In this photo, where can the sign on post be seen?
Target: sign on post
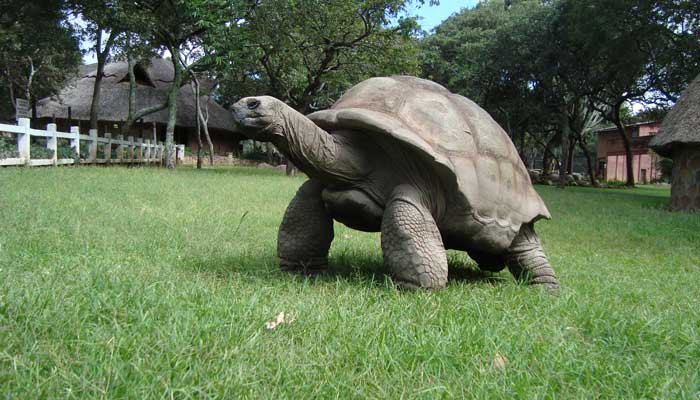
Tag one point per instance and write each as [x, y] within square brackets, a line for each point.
[21, 109]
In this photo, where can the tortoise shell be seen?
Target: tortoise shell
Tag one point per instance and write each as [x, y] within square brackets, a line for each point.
[491, 194]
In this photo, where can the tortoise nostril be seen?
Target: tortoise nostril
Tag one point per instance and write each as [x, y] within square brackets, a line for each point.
[253, 104]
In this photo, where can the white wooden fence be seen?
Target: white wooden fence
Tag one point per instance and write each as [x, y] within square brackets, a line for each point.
[127, 151]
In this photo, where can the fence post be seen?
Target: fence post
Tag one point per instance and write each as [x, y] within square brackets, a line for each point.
[75, 142]
[93, 145]
[130, 150]
[107, 147]
[139, 151]
[147, 156]
[120, 148]
[52, 142]
[24, 141]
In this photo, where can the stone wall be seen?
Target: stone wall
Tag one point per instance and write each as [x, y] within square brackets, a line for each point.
[685, 185]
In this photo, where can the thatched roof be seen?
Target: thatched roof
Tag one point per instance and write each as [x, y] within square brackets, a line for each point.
[682, 124]
[153, 82]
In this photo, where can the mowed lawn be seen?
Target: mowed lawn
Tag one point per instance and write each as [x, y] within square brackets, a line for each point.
[144, 283]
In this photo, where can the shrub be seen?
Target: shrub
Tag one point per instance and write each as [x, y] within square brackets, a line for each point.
[615, 182]
[8, 147]
[665, 165]
[64, 150]
[40, 152]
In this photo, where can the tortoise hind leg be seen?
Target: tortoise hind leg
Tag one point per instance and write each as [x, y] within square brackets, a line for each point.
[306, 232]
[527, 262]
[411, 242]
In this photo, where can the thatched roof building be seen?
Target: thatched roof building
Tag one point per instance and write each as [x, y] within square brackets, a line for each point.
[679, 138]
[682, 124]
[72, 105]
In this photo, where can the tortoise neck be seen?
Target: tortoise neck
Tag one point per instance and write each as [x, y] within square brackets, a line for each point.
[309, 147]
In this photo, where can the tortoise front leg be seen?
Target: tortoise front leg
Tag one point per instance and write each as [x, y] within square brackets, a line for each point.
[306, 232]
[527, 262]
[411, 242]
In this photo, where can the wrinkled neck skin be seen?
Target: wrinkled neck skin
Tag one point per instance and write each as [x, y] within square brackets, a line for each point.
[310, 148]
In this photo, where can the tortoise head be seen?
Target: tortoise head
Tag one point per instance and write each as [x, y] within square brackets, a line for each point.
[259, 117]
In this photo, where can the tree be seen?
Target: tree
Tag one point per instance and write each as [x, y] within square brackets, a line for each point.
[178, 25]
[104, 21]
[494, 55]
[307, 52]
[39, 49]
[633, 49]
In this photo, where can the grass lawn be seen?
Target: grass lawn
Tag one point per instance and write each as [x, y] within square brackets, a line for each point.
[142, 283]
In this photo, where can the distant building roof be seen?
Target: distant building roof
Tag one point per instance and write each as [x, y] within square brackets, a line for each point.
[153, 82]
[614, 128]
[682, 124]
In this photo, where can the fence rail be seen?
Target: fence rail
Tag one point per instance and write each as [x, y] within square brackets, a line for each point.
[127, 151]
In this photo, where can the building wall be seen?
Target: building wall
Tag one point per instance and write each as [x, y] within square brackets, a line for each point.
[644, 167]
[612, 161]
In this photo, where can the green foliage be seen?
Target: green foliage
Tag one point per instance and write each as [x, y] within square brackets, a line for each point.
[38, 151]
[665, 166]
[84, 150]
[8, 147]
[39, 49]
[124, 295]
[308, 52]
[257, 154]
[617, 183]
[64, 150]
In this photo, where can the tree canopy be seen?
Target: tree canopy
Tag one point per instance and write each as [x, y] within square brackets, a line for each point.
[39, 50]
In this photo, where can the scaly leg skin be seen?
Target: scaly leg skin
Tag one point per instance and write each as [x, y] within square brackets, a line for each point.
[527, 262]
[306, 232]
[411, 242]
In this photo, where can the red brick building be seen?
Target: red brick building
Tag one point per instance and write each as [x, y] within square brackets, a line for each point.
[612, 163]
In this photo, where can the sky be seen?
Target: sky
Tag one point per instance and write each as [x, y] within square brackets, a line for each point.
[433, 15]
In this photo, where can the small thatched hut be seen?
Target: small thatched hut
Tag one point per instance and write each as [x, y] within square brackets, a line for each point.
[72, 106]
[679, 138]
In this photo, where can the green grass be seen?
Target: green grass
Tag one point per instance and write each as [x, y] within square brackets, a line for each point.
[144, 283]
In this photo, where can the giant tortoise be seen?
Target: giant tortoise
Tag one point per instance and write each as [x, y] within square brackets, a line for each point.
[404, 156]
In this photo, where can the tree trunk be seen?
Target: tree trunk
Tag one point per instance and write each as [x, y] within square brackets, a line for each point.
[523, 153]
[10, 86]
[101, 55]
[195, 89]
[627, 142]
[203, 119]
[685, 179]
[30, 81]
[565, 137]
[290, 170]
[126, 126]
[268, 151]
[570, 156]
[95, 104]
[589, 161]
[170, 155]
[548, 155]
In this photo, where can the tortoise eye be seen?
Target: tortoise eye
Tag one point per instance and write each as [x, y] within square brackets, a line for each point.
[253, 104]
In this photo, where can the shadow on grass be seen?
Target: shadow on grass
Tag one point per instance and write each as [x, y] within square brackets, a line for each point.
[360, 270]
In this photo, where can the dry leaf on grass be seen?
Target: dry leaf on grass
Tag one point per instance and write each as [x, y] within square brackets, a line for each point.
[279, 320]
[499, 361]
